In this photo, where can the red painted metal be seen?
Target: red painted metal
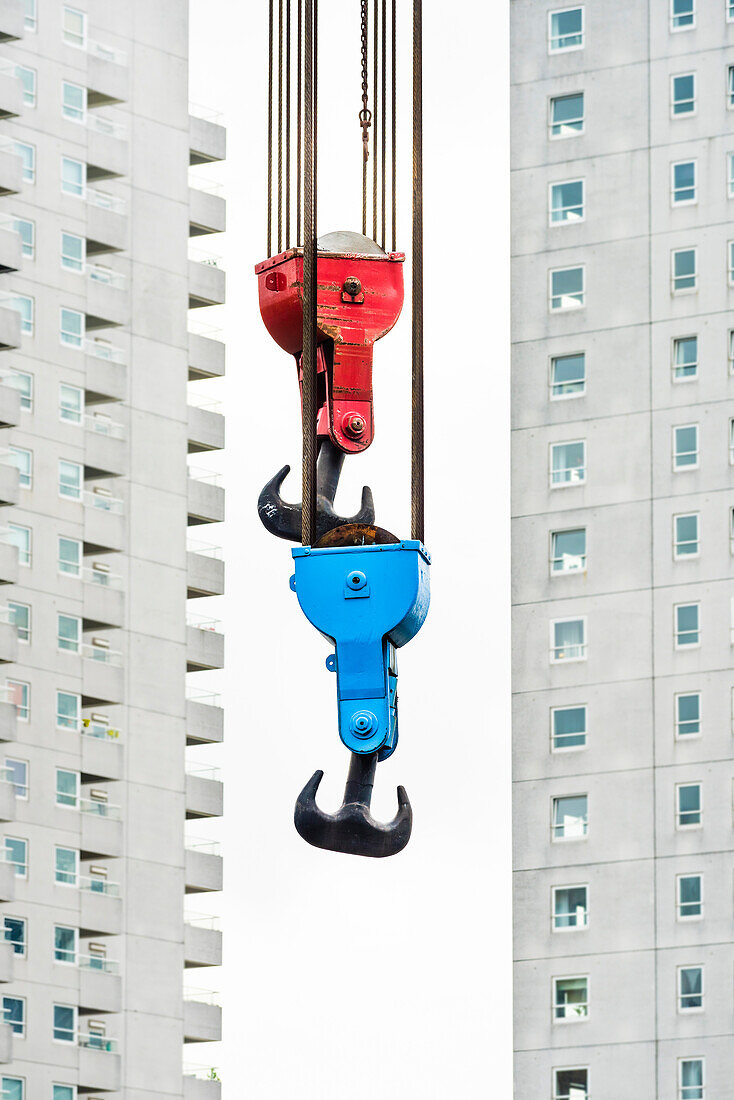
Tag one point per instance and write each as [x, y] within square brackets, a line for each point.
[348, 326]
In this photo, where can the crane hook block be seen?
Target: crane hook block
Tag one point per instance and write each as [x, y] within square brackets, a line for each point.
[368, 601]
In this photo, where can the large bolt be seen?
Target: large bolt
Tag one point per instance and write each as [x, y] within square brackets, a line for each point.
[363, 723]
[354, 425]
[352, 286]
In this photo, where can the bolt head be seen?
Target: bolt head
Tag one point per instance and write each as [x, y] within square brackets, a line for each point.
[364, 723]
[354, 425]
[352, 286]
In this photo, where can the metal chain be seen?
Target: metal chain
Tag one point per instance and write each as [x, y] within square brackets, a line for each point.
[365, 115]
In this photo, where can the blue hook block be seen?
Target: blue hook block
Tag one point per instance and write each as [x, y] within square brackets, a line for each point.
[368, 601]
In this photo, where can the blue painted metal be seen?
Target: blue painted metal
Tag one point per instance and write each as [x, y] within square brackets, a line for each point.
[368, 601]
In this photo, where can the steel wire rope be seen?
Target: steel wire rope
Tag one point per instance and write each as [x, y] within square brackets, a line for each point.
[375, 115]
[394, 112]
[270, 129]
[280, 125]
[417, 455]
[287, 123]
[309, 399]
[383, 133]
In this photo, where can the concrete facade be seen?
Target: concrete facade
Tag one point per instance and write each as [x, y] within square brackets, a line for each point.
[96, 286]
[624, 951]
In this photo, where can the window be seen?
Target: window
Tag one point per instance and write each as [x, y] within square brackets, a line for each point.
[684, 269]
[566, 202]
[68, 710]
[29, 15]
[567, 115]
[70, 479]
[685, 446]
[568, 551]
[17, 773]
[72, 327]
[730, 175]
[20, 617]
[69, 632]
[65, 1023]
[690, 1079]
[19, 693]
[565, 30]
[67, 788]
[16, 852]
[71, 403]
[685, 358]
[683, 183]
[72, 252]
[688, 714]
[27, 231]
[70, 556]
[690, 988]
[27, 78]
[570, 907]
[14, 1014]
[571, 1084]
[23, 460]
[24, 383]
[67, 866]
[687, 625]
[568, 463]
[64, 1092]
[683, 94]
[689, 892]
[74, 26]
[730, 87]
[27, 154]
[23, 305]
[571, 998]
[682, 15]
[65, 944]
[73, 101]
[568, 640]
[567, 288]
[685, 529]
[20, 537]
[15, 933]
[688, 805]
[568, 728]
[13, 1088]
[568, 375]
[73, 176]
[570, 817]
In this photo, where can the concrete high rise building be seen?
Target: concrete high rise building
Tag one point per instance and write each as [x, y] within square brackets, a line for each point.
[623, 498]
[95, 294]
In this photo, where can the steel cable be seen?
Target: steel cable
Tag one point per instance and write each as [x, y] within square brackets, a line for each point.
[280, 125]
[417, 436]
[309, 398]
[375, 115]
[394, 114]
[383, 65]
[287, 123]
[270, 130]
[299, 114]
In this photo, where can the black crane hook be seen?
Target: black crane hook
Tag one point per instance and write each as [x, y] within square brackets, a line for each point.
[352, 829]
[284, 520]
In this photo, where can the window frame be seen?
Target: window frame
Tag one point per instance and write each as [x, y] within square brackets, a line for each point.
[686, 1095]
[681, 917]
[23, 944]
[586, 1004]
[67, 337]
[60, 1085]
[26, 399]
[683, 290]
[72, 800]
[68, 495]
[29, 97]
[570, 484]
[80, 546]
[18, 1028]
[66, 255]
[81, 118]
[678, 722]
[17, 221]
[566, 49]
[29, 164]
[27, 322]
[678, 633]
[75, 952]
[66, 725]
[552, 360]
[77, 416]
[19, 840]
[693, 1010]
[551, 123]
[675, 203]
[25, 476]
[553, 533]
[74, 1029]
[75, 647]
[75, 873]
[30, 18]
[22, 712]
[583, 645]
[694, 110]
[65, 190]
[23, 796]
[685, 826]
[555, 748]
[558, 222]
[557, 1094]
[677, 542]
[684, 467]
[686, 27]
[557, 838]
[67, 42]
[21, 553]
[730, 87]
[554, 915]
[675, 367]
[580, 302]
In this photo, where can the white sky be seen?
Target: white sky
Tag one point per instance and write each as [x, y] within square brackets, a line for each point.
[346, 977]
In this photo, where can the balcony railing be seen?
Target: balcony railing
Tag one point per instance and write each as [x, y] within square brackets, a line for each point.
[202, 622]
[98, 962]
[200, 256]
[206, 847]
[97, 1042]
[203, 401]
[104, 200]
[207, 549]
[102, 654]
[92, 574]
[99, 886]
[201, 1073]
[105, 52]
[103, 502]
[208, 698]
[97, 808]
[202, 920]
[208, 114]
[202, 183]
[203, 771]
[101, 125]
[104, 425]
[202, 996]
[98, 730]
[98, 273]
[201, 328]
[198, 473]
[103, 349]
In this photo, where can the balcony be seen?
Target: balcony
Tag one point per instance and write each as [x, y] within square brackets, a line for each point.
[206, 279]
[202, 1017]
[204, 791]
[9, 403]
[204, 718]
[102, 755]
[11, 92]
[100, 907]
[204, 570]
[9, 324]
[207, 208]
[107, 300]
[207, 138]
[202, 941]
[9, 483]
[7, 961]
[11, 250]
[102, 675]
[108, 77]
[204, 644]
[107, 145]
[7, 796]
[11, 169]
[107, 226]
[203, 866]
[6, 1044]
[104, 525]
[104, 601]
[99, 985]
[205, 497]
[105, 450]
[8, 720]
[7, 881]
[12, 25]
[198, 1084]
[206, 352]
[101, 829]
[99, 1064]
[8, 638]
[205, 424]
[8, 559]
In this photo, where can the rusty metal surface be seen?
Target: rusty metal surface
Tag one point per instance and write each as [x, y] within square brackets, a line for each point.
[357, 534]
